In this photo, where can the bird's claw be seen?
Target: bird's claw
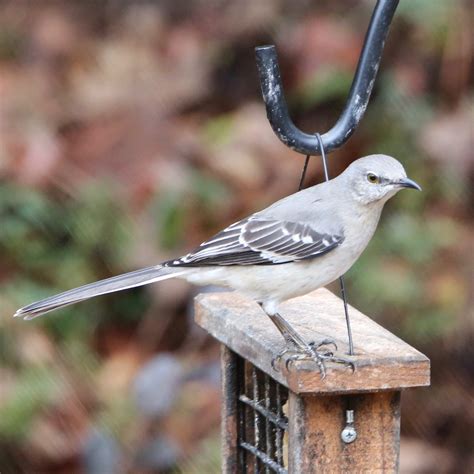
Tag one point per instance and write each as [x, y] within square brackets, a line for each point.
[338, 360]
[278, 358]
[310, 351]
[325, 342]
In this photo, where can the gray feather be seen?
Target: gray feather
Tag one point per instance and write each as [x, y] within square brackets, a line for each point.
[117, 283]
[261, 241]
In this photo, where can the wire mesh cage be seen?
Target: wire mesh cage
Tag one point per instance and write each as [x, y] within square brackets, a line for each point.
[262, 423]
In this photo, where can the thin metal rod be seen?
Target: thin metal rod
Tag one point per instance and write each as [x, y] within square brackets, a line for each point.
[242, 416]
[323, 157]
[255, 417]
[341, 278]
[266, 384]
[264, 458]
[277, 421]
[346, 312]
[359, 94]
[303, 174]
[280, 431]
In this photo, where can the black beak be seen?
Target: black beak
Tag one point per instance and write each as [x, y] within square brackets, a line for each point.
[408, 183]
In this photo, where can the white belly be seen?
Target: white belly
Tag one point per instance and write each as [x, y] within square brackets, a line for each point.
[277, 282]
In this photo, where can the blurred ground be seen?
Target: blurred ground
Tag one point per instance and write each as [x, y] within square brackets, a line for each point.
[131, 131]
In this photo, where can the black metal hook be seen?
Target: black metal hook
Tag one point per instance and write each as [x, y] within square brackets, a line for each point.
[359, 95]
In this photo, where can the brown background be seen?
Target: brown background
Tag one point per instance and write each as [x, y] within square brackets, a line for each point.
[131, 131]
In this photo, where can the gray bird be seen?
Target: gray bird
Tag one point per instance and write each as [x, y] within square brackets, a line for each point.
[298, 244]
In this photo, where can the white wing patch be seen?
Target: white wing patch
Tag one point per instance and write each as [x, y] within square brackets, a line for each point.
[259, 241]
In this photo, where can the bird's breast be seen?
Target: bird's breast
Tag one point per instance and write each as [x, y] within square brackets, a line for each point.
[359, 228]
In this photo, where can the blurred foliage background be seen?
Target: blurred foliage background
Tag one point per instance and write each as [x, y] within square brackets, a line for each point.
[131, 131]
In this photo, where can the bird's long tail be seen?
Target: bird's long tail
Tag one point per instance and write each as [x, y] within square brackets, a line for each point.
[117, 283]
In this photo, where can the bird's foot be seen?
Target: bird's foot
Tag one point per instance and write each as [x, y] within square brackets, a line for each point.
[316, 352]
[325, 342]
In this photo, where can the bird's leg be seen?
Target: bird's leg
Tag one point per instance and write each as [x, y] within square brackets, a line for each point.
[297, 349]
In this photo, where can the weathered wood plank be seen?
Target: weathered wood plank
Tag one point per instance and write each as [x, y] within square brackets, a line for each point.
[229, 421]
[315, 425]
[382, 360]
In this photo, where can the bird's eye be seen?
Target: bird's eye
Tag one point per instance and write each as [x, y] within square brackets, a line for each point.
[372, 178]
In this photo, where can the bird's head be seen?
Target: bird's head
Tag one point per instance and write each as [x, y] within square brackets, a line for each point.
[376, 178]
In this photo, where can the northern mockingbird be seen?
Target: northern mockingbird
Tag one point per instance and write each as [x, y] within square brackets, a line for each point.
[298, 244]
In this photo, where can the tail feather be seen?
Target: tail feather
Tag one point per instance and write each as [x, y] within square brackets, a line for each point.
[117, 283]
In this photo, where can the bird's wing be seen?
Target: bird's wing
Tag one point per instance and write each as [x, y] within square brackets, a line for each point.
[261, 241]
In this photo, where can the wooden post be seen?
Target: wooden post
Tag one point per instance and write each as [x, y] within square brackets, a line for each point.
[316, 408]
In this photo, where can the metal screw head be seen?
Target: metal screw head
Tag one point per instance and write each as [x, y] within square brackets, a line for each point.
[348, 434]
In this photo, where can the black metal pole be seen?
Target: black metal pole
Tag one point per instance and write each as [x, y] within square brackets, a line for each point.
[359, 94]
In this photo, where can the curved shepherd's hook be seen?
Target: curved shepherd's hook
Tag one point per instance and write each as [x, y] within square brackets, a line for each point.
[359, 95]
